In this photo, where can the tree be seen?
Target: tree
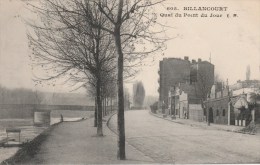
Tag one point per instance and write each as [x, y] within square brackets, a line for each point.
[108, 89]
[217, 78]
[203, 84]
[65, 44]
[138, 94]
[130, 24]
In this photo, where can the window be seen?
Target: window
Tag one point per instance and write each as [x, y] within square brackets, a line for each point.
[224, 112]
[217, 112]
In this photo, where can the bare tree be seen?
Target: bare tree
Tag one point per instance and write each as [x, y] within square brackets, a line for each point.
[65, 44]
[130, 21]
[69, 39]
[203, 85]
[217, 78]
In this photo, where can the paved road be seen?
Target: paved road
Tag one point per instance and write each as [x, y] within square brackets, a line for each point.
[168, 142]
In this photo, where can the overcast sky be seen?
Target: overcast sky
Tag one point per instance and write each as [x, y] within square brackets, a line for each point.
[233, 43]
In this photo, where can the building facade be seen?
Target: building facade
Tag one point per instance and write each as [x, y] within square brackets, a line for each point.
[184, 103]
[232, 107]
[195, 76]
[172, 72]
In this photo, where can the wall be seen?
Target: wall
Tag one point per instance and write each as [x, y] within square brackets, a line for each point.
[196, 112]
[218, 105]
[183, 105]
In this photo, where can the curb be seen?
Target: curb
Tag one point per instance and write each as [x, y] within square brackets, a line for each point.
[107, 124]
[125, 138]
[212, 128]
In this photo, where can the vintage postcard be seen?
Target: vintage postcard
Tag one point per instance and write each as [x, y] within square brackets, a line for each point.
[129, 82]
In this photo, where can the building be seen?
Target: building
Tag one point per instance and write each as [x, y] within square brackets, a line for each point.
[246, 86]
[217, 107]
[172, 72]
[202, 77]
[194, 78]
[232, 107]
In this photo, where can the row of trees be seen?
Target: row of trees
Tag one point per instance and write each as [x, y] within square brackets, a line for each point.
[19, 96]
[94, 44]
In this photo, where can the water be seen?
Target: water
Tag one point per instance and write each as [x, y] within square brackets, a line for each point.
[29, 131]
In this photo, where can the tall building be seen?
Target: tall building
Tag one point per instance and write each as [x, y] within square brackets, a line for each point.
[202, 76]
[175, 71]
[172, 72]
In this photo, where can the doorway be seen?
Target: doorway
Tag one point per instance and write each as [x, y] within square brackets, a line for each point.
[211, 115]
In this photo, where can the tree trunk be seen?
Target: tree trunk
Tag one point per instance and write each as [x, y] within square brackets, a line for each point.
[208, 122]
[111, 106]
[105, 113]
[99, 109]
[103, 106]
[120, 114]
[95, 120]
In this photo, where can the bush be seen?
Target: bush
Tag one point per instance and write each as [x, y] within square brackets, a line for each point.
[154, 107]
[251, 128]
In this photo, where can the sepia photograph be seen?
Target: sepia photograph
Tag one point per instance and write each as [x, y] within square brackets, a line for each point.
[129, 82]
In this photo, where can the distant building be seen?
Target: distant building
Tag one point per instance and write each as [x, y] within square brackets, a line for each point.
[245, 86]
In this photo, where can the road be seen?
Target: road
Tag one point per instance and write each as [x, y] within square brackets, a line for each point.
[168, 142]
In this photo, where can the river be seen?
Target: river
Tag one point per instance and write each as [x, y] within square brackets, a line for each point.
[29, 131]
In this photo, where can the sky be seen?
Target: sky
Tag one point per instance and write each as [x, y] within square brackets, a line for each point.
[233, 43]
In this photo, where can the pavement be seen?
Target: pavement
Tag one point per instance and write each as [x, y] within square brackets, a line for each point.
[76, 143]
[176, 143]
[203, 125]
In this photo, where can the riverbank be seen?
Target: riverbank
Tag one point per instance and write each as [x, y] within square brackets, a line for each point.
[75, 143]
[29, 131]
[29, 149]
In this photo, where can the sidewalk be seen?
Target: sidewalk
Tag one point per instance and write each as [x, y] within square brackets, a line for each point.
[204, 125]
[76, 143]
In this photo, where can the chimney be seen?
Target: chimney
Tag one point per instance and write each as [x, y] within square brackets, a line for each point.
[186, 58]
[199, 60]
